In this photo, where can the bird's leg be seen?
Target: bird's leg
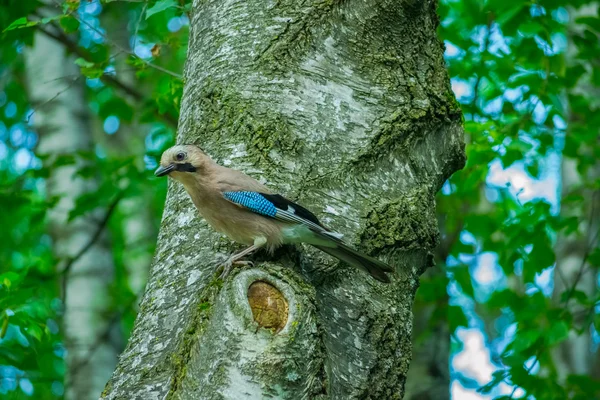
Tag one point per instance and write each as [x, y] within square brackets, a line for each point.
[235, 259]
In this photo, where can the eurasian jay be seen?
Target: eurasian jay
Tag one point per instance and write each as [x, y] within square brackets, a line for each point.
[247, 212]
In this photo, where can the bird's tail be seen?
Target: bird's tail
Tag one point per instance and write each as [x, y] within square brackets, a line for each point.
[374, 267]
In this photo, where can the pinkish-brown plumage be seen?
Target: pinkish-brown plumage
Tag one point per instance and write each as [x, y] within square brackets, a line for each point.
[261, 218]
[206, 188]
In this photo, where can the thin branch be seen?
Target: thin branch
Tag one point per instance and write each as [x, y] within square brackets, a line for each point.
[100, 339]
[99, 228]
[486, 46]
[528, 372]
[109, 79]
[113, 43]
[75, 49]
[589, 246]
[43, 104]
[137, 27]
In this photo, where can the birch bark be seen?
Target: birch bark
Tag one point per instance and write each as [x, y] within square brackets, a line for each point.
[346, 107]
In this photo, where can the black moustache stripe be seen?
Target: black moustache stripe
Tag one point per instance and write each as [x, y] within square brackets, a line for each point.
[186, 167]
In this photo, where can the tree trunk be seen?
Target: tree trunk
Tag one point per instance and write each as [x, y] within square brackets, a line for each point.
[138, 215]
[62, 125]
[576, 356]
[346, 107]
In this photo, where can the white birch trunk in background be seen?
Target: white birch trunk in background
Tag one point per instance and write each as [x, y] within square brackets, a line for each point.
[346, 107]
[63, 128]
[576, 355]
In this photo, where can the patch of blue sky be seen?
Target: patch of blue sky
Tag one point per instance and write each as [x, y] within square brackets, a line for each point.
[93, 83]
[498, 45]
[3, 131]
[22, 160]
[537, 11]
[110, 70]
[493, 106]
[111, 124]
[90, 8]
[561, 15]
[453, 52]
[9, 376]
[10, 110]
[487, 275]
[26, 386]
[176, 23]
[17, 135]
[150, 162]
[463, 89]
[157, 138]
[143, 50]
[3, 153]
[513, 95]
[90, 29]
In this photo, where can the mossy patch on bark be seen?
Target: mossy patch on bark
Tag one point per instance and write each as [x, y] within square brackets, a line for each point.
[407, 223]
[202, 313]
[225, 110]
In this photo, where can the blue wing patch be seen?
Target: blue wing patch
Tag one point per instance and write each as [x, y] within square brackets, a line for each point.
[253, 201]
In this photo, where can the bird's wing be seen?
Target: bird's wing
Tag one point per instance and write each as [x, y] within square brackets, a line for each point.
[278, 207]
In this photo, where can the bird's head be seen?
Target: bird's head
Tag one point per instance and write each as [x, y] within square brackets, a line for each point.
[181, 161]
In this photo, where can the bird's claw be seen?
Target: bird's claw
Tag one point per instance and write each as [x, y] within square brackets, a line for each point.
[228, 266]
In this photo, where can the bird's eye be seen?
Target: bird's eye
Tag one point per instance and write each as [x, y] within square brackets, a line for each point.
[180, 156]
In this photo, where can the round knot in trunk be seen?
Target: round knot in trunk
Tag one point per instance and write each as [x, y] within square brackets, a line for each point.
[269, 306]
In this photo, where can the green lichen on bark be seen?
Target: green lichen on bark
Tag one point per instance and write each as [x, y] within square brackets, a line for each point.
[226, 110]
[107, 389]
[389, 368]
[279, 372]
[201, 316]
[403, 128]
[407, 223]
[346, 104]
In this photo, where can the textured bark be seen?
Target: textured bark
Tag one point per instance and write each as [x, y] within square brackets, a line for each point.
[63, 129]
[344, 106]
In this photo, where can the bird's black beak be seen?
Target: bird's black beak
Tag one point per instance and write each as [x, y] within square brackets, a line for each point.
[162, 171]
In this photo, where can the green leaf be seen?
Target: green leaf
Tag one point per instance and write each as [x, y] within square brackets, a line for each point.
[20, 23]
[594, 258]
[577, 295]
[457, 318]
[592, 22]
[69, 24]
[84, 63]
[160, 6]
[530, 29]
[507, 15]
[35, 331]
[525, 339]
[558, 332]
[9, 278]
[463, 277]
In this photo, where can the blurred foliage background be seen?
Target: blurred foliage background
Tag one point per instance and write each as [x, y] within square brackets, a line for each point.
[89, 98]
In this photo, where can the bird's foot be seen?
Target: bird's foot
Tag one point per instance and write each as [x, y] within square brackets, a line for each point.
[228, 266]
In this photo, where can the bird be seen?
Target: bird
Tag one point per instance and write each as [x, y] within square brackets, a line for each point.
[246, 211]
